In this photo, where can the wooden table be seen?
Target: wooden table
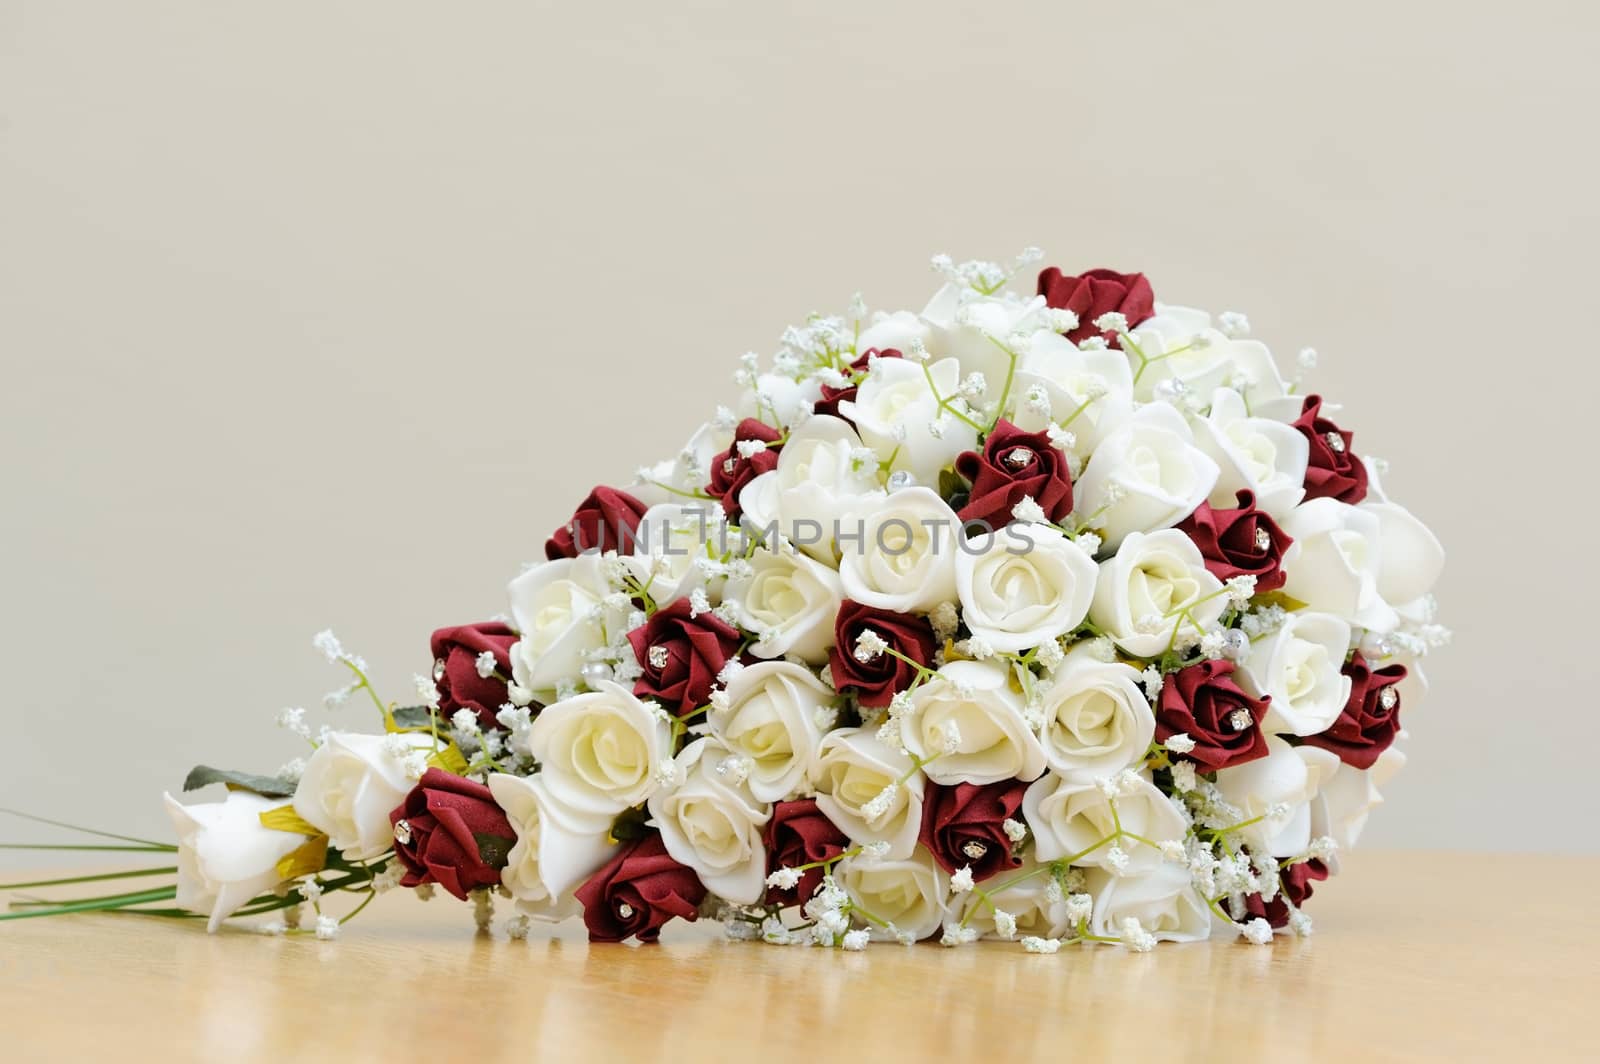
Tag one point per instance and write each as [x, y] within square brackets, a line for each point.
[1416, 956]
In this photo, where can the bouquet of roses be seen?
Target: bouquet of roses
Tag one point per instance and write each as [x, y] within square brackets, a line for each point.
[1061, 617]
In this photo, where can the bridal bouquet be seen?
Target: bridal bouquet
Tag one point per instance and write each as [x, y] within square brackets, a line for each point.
[1057, 617]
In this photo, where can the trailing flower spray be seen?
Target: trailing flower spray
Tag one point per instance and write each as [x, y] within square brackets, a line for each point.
[1052, 617]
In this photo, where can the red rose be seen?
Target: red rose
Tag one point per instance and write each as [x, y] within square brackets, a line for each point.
[1241, 542]
[1335, 470]
[731, 471]
[832, 397]
[1294, 883]
[875, 682]
[681, 655]
[638, 891]
[799, 834]
[455, 669]
[1098, 292]
[606, 520]
[1204, 703]
[964, 825]
[1014, 464]
[1371, 718]
[450, 832]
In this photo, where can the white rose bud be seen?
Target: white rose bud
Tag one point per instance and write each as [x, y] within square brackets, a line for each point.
[226, 856]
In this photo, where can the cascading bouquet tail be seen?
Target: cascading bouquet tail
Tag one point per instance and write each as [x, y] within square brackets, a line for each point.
[1060, 617]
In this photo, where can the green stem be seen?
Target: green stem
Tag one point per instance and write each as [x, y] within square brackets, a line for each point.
[86, 831]
[130, 874]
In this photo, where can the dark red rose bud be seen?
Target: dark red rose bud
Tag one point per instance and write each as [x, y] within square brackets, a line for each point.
[832, 397]
[681, 656]
[1335, 470]
[731, 471]
[606, 520]
[1371, 718]
[455, 669]
[799, 834]
[875, 682]
[1294, 883]
[637, 892]
[1241, 542]
[450, 832]
[1012, 465]
[1204, 703]
[1098, 292]
[964, 825]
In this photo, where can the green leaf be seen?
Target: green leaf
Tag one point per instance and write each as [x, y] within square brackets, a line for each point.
[630, 825]
[495, 850]
[451, 760]
[266, 786]
[413, 717]
[284, 818]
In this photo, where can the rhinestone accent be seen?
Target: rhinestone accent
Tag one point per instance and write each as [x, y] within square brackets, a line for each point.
[975, 849]
[438, 669]
[659, 656]
[402, 832]
[1240, 719]
[900, 480]
[1263, 539]
[1388, 698]
[1335, 442]
[1020, 457]
[625, 911]
[729, 465]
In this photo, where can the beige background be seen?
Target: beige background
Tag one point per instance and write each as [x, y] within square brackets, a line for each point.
[323, 314]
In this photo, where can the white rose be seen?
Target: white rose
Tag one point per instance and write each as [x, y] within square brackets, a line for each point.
[1254, 454]
[770, 718]
[1168, 342]
[713, 825]
[1348, 796]
[1335, 561]
[1146, 475]
[901, 331]
[351, 785]
[556, 848]
[853, 770]
[1161, 899]
[1069, 819]
[1024, 893]
[903, 556]
[777, 399]
[1412, 559]
[669, 547]
[1023, 586]
[790, 601]
[600, 752]
[1289, 776]
[1155, 577]
[912, 893]
[557, 608]
[225, 856]
[686, 474]
[967, 726]
[823, 472]
[1097, 720]
[894, 407]
[1091, 391]
[1301, 666]
[973, 330]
